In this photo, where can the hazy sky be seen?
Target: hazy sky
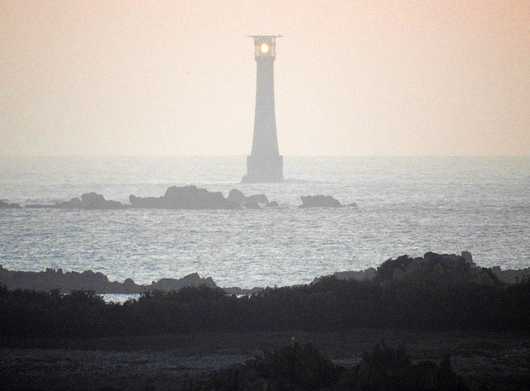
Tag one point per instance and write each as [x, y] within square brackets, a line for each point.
[178, 77]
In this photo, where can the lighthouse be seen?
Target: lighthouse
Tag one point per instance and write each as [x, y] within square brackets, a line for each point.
[265, 164]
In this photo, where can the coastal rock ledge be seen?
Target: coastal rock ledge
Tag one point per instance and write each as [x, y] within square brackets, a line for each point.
[450, 268]
[97, 282]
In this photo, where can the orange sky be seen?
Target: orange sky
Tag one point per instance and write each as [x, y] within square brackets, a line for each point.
[178, 77]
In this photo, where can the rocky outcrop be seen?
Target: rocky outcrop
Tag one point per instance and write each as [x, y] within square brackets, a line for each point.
[192, 197]
[319, 201]
[87, 201]
[445, 268]
[449, 268]
[258, 199]
[176, 197]
[255, 201]
[191, 280]
[52, 279]
[236, 196]
[355, 275]
[7, 205]
[435, 267]
[184, 197]
[97, 282]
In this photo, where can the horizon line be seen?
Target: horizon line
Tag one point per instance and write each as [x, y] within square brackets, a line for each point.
[121, 156]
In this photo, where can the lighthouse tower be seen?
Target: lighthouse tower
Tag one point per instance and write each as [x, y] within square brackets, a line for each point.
[265, 164]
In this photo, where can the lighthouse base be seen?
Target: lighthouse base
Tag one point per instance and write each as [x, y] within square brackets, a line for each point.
[264, 169]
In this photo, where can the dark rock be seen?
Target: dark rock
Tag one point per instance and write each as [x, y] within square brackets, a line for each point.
[251, 202]
[52, 279]
[176, 197]
[258, 199]
[7, 205]
[97, 201]
[356, 275]
[272, 204]
[360, 275]
[236, 196]
[319, 201]
[435, 267]
[440, 268]
[191, 280]
[74, 203]
[184, 197]
[87, 201]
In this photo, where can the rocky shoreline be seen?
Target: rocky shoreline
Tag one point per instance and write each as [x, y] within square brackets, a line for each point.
[443, 266]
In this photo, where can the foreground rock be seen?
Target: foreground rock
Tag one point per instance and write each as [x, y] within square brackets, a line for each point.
[361, 275]
[451, 268]
[319, 201]
[7, 205]
[89, 281]
[191, 280]
[87, 201]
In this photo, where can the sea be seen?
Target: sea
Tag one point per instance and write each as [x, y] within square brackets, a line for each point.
[405, 205]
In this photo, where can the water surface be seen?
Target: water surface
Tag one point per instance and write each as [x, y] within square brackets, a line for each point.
[406, 206]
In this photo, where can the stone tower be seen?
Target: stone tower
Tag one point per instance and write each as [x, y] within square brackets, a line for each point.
[265, 164]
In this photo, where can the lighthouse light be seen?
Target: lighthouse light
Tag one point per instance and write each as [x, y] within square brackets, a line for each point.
[264, 48]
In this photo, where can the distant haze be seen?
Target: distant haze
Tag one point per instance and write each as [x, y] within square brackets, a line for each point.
[178, 77]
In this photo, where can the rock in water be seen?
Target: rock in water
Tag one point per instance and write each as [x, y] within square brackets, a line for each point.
[7, 205]
[192, 197]
[258, 199]
[87, 201]
[254, 201]
[97, 201]
[184, 197]
[236, 196]
[319, 201]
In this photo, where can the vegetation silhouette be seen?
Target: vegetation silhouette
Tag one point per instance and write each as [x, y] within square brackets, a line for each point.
[302, 367]
[328, 304]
